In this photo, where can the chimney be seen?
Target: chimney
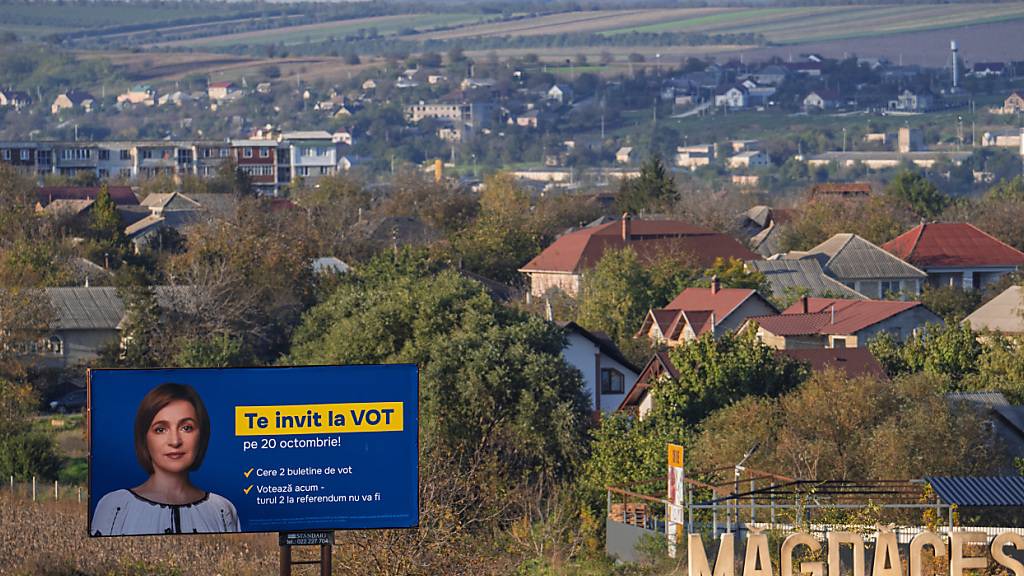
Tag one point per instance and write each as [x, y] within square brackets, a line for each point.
[712, 323]
[832, 308]
[714, 285]
[803, 304]
[627, 227]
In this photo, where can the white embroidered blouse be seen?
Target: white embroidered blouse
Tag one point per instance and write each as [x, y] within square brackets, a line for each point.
[123, 512]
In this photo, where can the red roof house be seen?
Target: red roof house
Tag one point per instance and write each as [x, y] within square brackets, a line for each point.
[698, 311]
[839, 323]
[121, 195]
[561, 263]
[956, 254]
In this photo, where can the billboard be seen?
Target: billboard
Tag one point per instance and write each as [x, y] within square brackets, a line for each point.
[183, 451]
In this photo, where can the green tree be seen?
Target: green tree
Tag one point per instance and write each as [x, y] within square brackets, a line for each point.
[502, 238]
[24, 451]
[733, 273]
[951, 302]
[104, 221]
[616, 294]
[654, 188]
[951, 350]
[918, 194]
[492, 378]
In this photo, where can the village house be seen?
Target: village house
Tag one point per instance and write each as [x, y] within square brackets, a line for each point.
[749, 159]
[821, 100]
[698, 311]
[73, 100]
[1013, 104]
[138, 94]
[733, 97]
[1003, 314]
[221, 90]
[771, 75]
[987, 69]
[908, 101]
[865, 267]
[956, 254]
[624, 155]
[607, 373]
[805, 277]
[695, 156]
[840, 323]
[561, 265]
[561, 93]
[14, 99]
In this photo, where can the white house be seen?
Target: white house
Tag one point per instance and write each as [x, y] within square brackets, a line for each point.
[560, 93]
[607, 374]
[749, 159]
[734, 97]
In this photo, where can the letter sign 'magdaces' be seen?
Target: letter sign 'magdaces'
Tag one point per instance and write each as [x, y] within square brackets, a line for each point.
[963, 551]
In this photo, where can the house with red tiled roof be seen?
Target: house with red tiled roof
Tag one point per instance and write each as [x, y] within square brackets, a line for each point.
[956, 254]
[839, 323]
[561, 265]
[121, 195]
[698, 311]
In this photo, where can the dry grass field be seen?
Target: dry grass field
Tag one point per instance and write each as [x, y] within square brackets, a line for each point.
[49, 539]
[159, 67]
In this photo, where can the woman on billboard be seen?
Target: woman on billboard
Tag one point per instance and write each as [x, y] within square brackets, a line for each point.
[172, 431]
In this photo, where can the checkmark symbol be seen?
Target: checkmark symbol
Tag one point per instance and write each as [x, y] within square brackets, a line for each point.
[246, 474]
[246, 490]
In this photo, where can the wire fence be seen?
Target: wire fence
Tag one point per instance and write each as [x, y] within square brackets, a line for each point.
[38, 490]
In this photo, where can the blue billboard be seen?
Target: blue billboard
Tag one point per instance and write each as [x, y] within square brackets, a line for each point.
[184, 451]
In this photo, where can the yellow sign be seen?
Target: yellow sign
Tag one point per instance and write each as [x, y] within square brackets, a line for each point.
[675, 456]
[318, 418]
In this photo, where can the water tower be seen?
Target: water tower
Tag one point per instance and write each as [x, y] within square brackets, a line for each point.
[956, 64]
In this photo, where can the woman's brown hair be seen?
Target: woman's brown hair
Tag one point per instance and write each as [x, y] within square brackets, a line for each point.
[154, 402]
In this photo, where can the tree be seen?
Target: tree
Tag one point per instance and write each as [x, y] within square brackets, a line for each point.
[714, 372]
[501, 239]
[492, 378]
[617, 292]
[918, 194]
[24, 451]
[951, 350]
[861, 428]
[732, 273]
[875, 219]
[104, 221]
[654, 188]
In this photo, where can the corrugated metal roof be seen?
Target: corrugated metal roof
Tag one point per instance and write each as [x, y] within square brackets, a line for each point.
[852, 257]
[788, 275]
[987, 491]
[81, 308]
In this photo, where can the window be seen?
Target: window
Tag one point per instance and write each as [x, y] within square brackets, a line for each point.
[7, 154]
[839, 342]
[25, 154]
[55, 345]
[126, 154]
[264, 152]
[889, 287]
[225, 152]
[247, 152]
[612, 381]
[104, 154]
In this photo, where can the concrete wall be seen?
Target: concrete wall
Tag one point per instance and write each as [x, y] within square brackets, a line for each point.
[621, 540]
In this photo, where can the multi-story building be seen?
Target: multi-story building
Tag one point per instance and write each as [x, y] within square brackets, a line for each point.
[271, 163]
[258, 159]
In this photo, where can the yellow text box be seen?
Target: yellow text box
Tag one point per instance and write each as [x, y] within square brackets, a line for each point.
[319, 418]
